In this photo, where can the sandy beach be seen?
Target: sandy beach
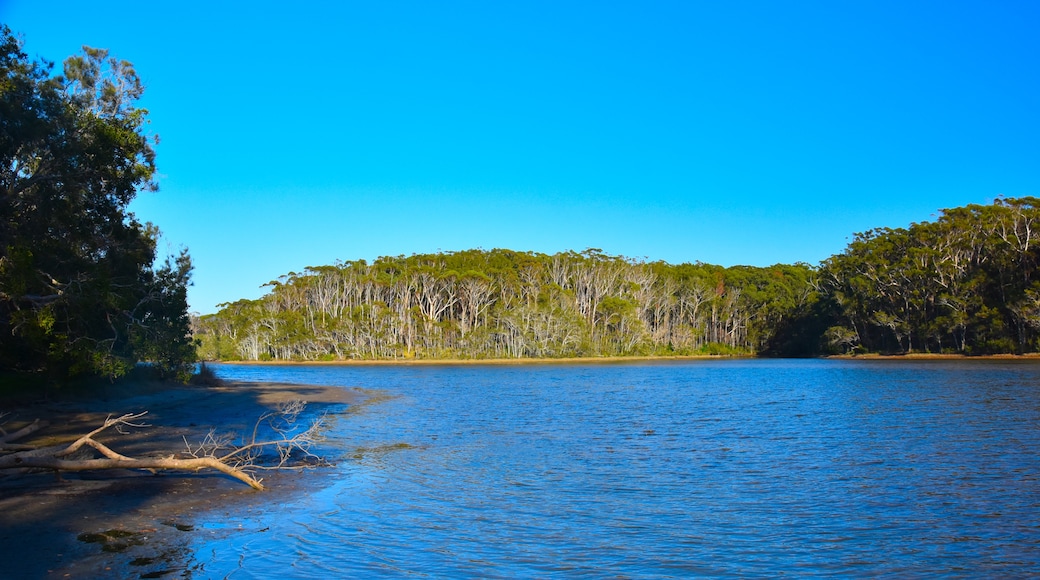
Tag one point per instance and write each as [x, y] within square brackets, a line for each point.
[482, 361]
[611, 359]
[134, 523]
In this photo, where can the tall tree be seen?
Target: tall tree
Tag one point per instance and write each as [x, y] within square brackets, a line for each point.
[501, 303]
[964, 283]
[78, 291]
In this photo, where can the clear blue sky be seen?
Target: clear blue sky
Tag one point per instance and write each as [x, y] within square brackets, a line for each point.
[735, 132]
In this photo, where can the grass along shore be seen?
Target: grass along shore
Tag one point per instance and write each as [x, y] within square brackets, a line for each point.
[480, 361]
[610, 359]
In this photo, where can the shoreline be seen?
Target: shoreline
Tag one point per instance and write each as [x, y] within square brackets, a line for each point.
[478, 361]
[935, 356]
[615, 360]
[67, 523]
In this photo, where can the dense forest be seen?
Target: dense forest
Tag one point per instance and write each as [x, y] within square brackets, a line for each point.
[962, 284]
[506, 304]
[81, 290]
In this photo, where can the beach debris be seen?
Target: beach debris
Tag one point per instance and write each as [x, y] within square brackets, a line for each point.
[240, 459]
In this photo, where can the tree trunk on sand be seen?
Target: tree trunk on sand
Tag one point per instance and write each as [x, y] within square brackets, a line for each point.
[239, 461]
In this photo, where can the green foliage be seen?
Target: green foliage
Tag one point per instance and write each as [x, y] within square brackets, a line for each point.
[480, 304]
[719, 349]
[78, 294]
[964, 283]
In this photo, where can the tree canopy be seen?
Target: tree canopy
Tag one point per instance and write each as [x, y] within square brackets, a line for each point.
[965, 283]
[508, 304]
[80, 290]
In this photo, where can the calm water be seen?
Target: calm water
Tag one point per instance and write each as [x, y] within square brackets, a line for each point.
[739, 468]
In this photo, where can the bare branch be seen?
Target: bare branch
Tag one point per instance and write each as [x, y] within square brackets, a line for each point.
[109, 422]
[218, 452]
[23, 432]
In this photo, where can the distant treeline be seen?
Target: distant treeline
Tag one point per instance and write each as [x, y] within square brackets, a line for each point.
[963, 284]
[501, 303]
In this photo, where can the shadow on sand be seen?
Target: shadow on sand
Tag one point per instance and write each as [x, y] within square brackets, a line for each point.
[124, 523]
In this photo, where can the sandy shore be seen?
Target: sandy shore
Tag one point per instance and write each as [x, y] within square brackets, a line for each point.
[135, 524]
[612, 360]
[481, 361]
[1032, 356]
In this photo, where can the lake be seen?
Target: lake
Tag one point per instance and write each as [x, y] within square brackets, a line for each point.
[671, 469]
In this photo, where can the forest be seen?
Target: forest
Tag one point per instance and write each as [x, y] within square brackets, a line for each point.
[961, 284]
[964, 283]
[507, 304]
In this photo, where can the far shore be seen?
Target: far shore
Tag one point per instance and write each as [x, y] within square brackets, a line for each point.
[480, 361]
[612, 359]
[936, 356]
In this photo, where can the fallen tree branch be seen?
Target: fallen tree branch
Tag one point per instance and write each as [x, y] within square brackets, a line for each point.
[193, 464]
[287, 441]
[239, 461]
[87, 439]
[7, 438]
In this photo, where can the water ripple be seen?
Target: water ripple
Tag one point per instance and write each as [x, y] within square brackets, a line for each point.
[806, 468]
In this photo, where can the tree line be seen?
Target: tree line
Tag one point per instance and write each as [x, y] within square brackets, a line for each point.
[963, 284]
[507, 304]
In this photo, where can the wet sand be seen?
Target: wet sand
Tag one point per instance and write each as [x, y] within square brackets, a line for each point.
[124, 523]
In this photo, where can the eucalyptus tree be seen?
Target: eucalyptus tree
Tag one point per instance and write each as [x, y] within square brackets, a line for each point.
[501, 303]
[963, 283]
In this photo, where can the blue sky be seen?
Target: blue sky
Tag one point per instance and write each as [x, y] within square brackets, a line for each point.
[737, 132]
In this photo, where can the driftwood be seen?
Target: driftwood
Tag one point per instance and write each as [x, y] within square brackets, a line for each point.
[239, 460]
[6, 438]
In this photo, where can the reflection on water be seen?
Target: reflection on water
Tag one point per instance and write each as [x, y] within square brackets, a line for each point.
[741, 467]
